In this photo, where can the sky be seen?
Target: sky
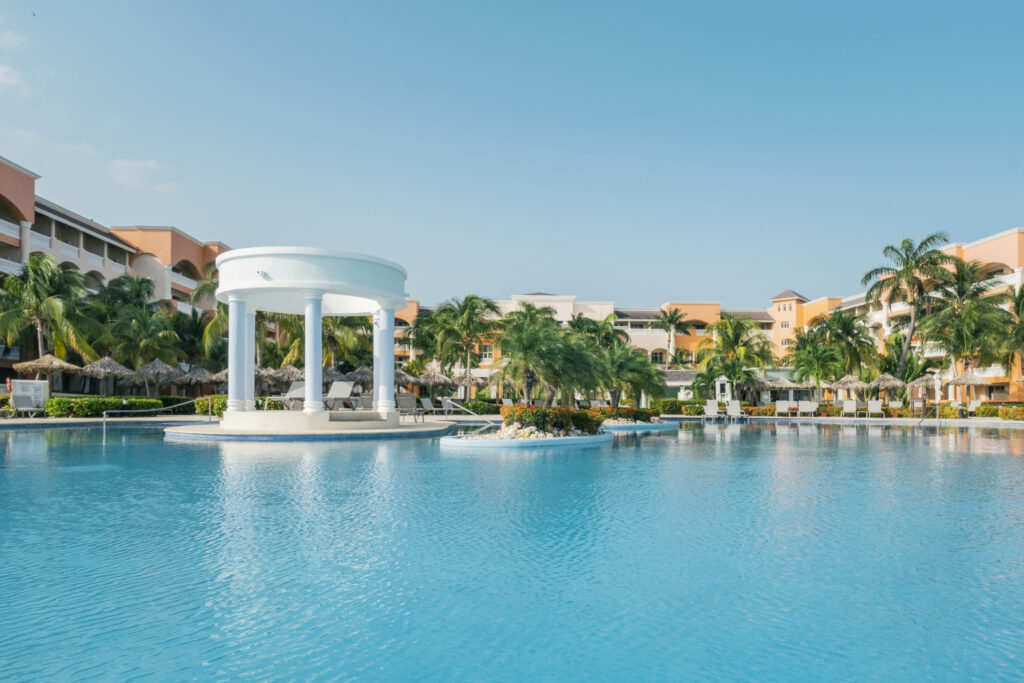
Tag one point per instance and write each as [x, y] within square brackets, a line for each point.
[640, 152]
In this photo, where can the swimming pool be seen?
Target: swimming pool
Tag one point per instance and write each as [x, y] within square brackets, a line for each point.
[731, 552]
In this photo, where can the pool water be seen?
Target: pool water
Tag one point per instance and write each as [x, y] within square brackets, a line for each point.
[725, 552]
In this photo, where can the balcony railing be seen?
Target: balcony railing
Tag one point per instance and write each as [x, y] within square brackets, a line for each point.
[68, 249]
[184, 307]
[10, 229]
[9, 266]
[40, 240]
[116, 267]
[183, 280]
[94, 259]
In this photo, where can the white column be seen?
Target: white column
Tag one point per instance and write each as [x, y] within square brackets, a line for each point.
[314, 402]
[236, 354]
[384, 360]
[26, 240]
[250, 360]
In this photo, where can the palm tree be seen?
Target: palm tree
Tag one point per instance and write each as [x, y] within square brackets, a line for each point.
[913, 267]
[143, 336]
[1013, 338]
[45, 298]
[848, 333]
[680, 358]
[739, 338]
[528, 339]
[815, 361]
[573, 365]
[672, 322]
[915, 365]
[344, 338]
[628, 370]
[466, 323]
[964, 320]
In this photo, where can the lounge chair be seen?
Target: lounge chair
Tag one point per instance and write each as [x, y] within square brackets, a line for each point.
[407, 406]
[973, 406]
[338, 395]
[449, 406]
[429, 407]
[849, 407]
[782, 408]
[506, 402]
[710, 410]
[20, 403]
[805, 407]
[896, 404]
[538, 401]
[874, 408]
[917, 405]
[293, 398]
[733, 411]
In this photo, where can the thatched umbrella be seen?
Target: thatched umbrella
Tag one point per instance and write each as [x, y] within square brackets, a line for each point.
[851, 383]
[287, 373]
[46, 365]
[197, 374]
[363, 375]
[469, 380]
[886, 382]
[402, 378]
[157, 371]
[968, 379]
[220, 377]
[106, 367]
[332, 374]
[924, 383]
[433, 378]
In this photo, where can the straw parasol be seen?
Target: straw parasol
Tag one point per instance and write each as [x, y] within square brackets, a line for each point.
[287, 373]
[922, 382]
[402, 377]
[782, 383]
[220, 377]
[469, 380]
[886, 382]
[433, 378]
[106, 367]
[765, 382]
[197, 374]
[850, 382]
[968, 379]
[332, 374]
[156, 370]
[46, 365]
[363, 375]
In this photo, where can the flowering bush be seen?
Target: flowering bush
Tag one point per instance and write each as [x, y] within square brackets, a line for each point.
[987, 410]
[482, 407]
[1011, 413]
[759, 411]
[551, 419]
[219, 401]
[639, 414]
[829, 410]
[93, 406]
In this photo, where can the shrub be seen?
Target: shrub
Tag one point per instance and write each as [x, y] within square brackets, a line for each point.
[829, 410]
[93, 406]
[550, 419]
[987, 410]
[948, 412]
[759, 411]
[638, 414]
[1011, 413]
[219, 401]
[482, 407]
[667, 406]
[896, 412]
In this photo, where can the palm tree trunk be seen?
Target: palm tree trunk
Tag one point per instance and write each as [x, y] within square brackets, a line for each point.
[906, 342]
[39, 341]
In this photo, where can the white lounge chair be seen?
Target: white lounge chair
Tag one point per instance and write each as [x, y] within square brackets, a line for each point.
[782, 408]
[896, 404]
[874, 408]
[21, 403]
[293, 398]
[407, 406]
[849, 407]
[338, 395]
[733, 410]
[973, 406]
[805, 407]
[506, 402]
[429, 407]
[710, 410]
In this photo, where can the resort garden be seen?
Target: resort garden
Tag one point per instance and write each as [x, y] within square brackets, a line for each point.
[955, 309]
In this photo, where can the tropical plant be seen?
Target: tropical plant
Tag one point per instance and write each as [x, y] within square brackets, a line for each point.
[466, 323]
[142, 336]
[629, 371]
[44, 298]
[672, 322]
[680, 358]
[1013, 338]
[528, 339]
[907, 278]
[848, 333]
[813, 361]
[738, 338]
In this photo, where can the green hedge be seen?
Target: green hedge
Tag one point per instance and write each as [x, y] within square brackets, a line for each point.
[220, 403]
[482, 407]
[93, 406]
[1011, 413]
[549, 419]
[638, 414]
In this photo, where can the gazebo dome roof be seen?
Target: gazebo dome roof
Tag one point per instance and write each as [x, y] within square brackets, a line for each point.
[279, 279]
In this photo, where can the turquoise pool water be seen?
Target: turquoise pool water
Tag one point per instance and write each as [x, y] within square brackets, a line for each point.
[721, 552]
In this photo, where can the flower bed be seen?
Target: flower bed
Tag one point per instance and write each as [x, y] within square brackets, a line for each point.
[553, 421]
[1011, 413]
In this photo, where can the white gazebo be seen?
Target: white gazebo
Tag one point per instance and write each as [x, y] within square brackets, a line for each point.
[314, 283]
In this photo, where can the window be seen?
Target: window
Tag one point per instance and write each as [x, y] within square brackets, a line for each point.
[657, 356]
[486, 353]
[785, 325]
[785, 342]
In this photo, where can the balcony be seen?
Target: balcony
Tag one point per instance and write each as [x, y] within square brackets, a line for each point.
[183, 307]
[183, 280]
[9, 266]
[94, 259]
[116, 267]
[10, 229]
[10, 352]
[40, 240]
[68, 250]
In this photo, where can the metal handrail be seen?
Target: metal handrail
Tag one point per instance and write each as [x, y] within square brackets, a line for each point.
[464, 409]
[927, 412]
[160, 409]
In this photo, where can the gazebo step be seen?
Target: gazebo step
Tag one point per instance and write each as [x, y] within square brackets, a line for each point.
[356, 416]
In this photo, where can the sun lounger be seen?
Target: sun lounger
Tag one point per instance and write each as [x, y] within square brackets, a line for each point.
[896, 404]
[21, 403]
[429, 407]
[407, 406]
[506, 402]
[973, 406]
[733, 410]
[710, 410]
[806, 407]
[292, 399]
[338, 394]
[782, 408]
[874, 408]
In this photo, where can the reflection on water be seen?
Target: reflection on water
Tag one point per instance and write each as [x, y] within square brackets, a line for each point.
[721, 551]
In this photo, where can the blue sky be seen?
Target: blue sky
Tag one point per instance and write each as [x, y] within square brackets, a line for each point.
[640, 152]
